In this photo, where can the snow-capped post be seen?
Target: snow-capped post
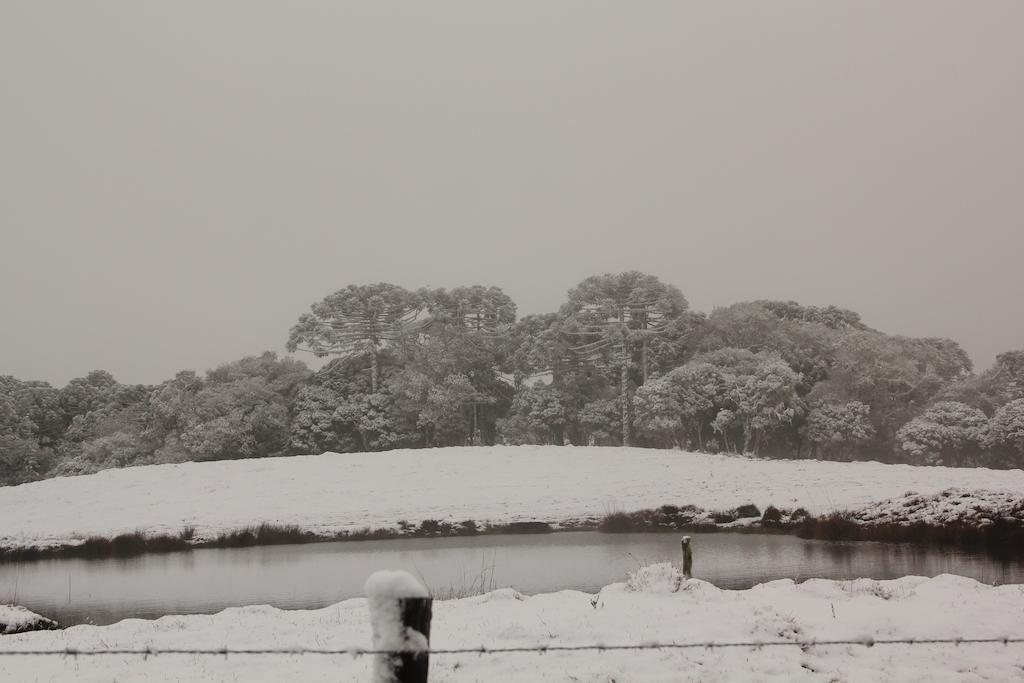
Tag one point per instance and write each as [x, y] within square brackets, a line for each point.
[400, 611]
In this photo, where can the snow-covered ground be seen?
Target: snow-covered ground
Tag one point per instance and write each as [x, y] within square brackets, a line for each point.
[329, 493]
[952, 506]
[15, 619]
[911, 607]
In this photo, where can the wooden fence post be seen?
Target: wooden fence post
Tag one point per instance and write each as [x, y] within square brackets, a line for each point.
[687, 558]
[400, 612]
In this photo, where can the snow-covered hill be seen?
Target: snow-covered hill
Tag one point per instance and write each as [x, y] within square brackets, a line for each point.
[332, 492]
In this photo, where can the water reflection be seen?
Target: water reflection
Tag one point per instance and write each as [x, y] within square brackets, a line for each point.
[307, 576]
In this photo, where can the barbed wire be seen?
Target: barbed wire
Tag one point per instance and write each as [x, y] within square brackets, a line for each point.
[484, 650]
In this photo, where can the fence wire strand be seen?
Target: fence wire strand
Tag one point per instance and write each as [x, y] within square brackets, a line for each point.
[483, 650]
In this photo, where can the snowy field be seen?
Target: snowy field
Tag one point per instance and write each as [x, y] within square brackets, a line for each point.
[943, 607]
[329, 493]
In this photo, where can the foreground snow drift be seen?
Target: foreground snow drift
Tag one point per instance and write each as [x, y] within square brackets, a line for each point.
[16, 619]
[330, 493]
[943, 607]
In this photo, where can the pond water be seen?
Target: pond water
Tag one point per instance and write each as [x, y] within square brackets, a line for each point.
[77, 591]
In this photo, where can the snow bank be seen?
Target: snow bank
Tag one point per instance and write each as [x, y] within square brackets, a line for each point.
[329, 493]
[943, 607]
[952, 506]
[15, 619]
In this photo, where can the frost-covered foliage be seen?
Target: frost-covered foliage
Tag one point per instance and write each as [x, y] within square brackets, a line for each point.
[358, 321]
[764, 400]
[612, 318]
[837, 430]
[677, 407]
[744, 397]
[655, 578]
[119, 449]
[1006, 433]
[242, 410]
[798, 337]
[538, 416]
[948, 433]
[992, 389]
[445, 407]
[313, 428]
[602, 422]
[659, 413]
[22, 459]
[374, 419]
[19, 452]
[758, 396]
[830, 316]
[623, 360]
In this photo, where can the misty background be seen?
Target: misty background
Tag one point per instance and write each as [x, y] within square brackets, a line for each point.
[179, 181]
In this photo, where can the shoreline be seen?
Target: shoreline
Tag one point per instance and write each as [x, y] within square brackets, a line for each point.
[1000, 539]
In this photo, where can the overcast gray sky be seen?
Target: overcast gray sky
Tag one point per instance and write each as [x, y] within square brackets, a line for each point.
[180, 180]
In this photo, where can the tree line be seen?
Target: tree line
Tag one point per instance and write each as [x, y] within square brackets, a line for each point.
[624, 361]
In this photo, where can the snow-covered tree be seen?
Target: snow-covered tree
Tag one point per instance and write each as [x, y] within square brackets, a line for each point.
[600, 421]
[725, 422]
[450, 384]
[948, 433]
[658, 413]
[993, 388]
[21, 457]
[837, 430]
[13, 423]
[612, 317]
[538, 416]
[832, 317]
[892, 375]
[359, 321]
[765, 400]
[313, 428]
[485, 310]
[676, 408]
[447, 411]
[541, 350]
[807, 347]
[1009, 374]
[1006, 434]
[701, 388]
[241, 410]
[377, 421]
[40, 404]
[243, 419]
[119, 449]
[21, 460]
[758, 396]
[92, 392]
